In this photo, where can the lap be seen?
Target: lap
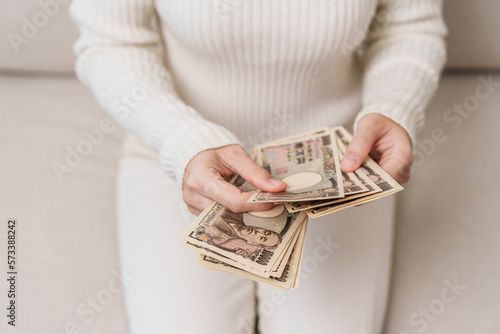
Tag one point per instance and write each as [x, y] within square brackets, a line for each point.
[344, 277]
[170, 292]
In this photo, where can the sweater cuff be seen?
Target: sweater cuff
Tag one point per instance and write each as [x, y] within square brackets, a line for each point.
[188, 139]
[410, 121]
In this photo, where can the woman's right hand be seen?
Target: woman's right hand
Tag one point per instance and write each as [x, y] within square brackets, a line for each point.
[204, 180]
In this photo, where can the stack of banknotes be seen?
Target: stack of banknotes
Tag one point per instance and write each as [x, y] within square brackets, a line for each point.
[268, 246]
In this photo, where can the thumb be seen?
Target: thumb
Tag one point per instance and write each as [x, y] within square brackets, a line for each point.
[248, 169]
[358, 149]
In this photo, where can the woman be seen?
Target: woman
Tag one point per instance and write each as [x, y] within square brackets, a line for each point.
[215, 76]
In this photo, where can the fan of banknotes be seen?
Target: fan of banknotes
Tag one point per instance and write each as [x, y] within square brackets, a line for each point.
[267, 246]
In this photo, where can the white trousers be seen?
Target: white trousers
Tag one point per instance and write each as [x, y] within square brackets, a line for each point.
[344, 279]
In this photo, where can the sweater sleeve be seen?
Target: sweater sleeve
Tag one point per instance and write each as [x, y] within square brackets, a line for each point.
[119, 59]
[403, 60]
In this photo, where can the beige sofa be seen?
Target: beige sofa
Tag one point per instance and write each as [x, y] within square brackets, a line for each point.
[446, 276]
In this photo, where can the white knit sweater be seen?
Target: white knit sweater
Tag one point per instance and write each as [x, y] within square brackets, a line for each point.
[208, 73]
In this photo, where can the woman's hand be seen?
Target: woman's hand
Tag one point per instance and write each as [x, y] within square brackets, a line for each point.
[386, 142]
[204, 180]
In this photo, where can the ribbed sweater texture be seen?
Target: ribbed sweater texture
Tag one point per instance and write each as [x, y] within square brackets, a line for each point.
[191, 75]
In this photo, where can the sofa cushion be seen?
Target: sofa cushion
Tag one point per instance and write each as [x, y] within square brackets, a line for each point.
[474, 29]
[37, 35]
[67, 239]
[446, 272]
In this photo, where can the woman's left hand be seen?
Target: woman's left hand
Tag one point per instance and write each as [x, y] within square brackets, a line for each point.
[386, 142]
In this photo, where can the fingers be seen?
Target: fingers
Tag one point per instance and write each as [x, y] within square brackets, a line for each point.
[398, 163]
[193, 210]
[358, 149]
[241, 163]
[204, 180]
[195, 202]
[198, 195]
[397, 170]
[386, 141]
[232, 198]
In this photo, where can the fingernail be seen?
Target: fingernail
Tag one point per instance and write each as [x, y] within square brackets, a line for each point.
[275, 182]
[349, 161]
